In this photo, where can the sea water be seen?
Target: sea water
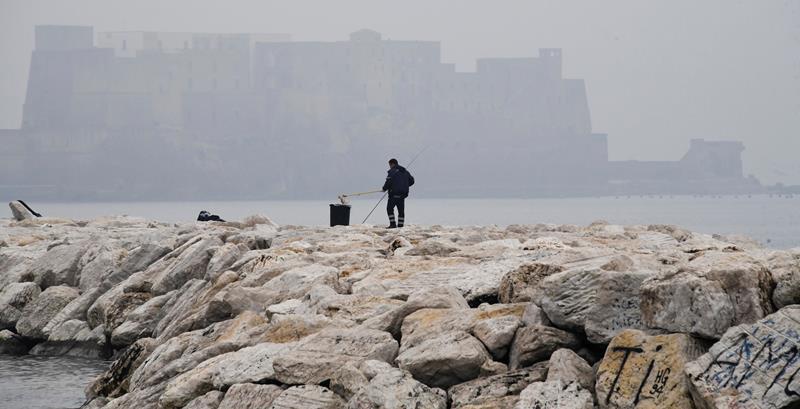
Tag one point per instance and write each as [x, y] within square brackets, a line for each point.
[34, 382]
[772, 220]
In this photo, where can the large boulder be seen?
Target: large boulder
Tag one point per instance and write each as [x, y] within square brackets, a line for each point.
[75, 310]
[74, 338]
[250, 396]
[641, 371]
[535, 344]
[598, 296]
[104, 262]
[554, 394]
[523, 284]
[391, 388]
[58, 266]
[185, 351]
[317, 357]
[141, 257]
[785, 269]
[436, 297]
[223, 258]
[112, 308]
[190, 262]
[449, 359]
[141, 321]
[497, 334]
[482, 322]
[477, 282]
[46, 306]
[286, 284]
[491, 389]
[752, 366]
[115, 381]
[308, 397]
[210, 400]
[715, 291]
[13, 298]
[247, 365]
[196, 306]
[568, 367]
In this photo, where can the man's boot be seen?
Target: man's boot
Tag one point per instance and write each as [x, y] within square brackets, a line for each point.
[392, 226]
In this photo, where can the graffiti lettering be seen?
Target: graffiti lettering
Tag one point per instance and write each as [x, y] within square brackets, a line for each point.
[626, 353]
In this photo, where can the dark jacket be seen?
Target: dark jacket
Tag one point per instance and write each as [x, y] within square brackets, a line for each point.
[398, 180]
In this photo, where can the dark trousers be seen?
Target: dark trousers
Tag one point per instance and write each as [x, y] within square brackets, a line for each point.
[400, 203]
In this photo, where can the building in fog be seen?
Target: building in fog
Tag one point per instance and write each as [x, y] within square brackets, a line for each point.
[193, 115]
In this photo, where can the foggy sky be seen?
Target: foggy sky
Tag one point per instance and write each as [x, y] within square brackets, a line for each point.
[657, 73]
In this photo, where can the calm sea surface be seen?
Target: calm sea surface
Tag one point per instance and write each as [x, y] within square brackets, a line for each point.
[773, 220]
[31, 382]
[39, 383]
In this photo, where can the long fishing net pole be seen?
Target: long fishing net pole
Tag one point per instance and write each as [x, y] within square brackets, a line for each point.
[385, 193]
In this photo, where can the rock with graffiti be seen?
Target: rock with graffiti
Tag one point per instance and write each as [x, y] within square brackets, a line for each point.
[753, 366]
[641, 371]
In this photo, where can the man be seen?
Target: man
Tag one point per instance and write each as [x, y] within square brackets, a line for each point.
[397, 183]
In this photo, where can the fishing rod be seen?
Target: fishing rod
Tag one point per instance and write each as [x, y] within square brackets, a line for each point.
[385, 193]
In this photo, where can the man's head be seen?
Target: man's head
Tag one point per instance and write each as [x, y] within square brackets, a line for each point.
[392, 162]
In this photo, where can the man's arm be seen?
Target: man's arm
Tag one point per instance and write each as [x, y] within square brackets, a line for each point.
[387, 184]
[410, 179]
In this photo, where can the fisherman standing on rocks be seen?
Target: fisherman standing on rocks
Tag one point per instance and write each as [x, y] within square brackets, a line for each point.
[398, 180]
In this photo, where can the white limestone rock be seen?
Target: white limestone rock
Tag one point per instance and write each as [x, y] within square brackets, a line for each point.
[785, 269]
[58, 266]
[141, 321]
[210, 400]
[40, 311]
[598, 296]
[74, 338]
[391, 388]
[247, 365]
[496, 388]
[715, 291]
[447, 360]
[430, 323]
[308, 397]
[537, 343]
[190, 262]
[250, 396]
[566, 366]
[318, 356]
[555, 395]
[436, 297]
[13, 298]
[223, 258]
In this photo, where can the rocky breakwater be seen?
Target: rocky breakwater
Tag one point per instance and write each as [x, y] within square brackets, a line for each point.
[254, 315]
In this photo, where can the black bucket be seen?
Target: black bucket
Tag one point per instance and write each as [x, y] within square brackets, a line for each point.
[340, 215]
